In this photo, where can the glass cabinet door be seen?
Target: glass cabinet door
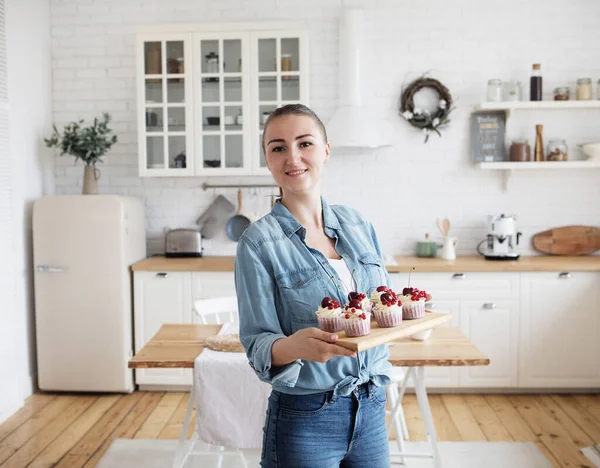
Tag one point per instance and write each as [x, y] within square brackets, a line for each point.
[166, 107]
[279, 80]
[222, 100]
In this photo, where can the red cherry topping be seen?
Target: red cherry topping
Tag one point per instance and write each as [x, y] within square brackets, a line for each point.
[336, 304]
[347, 316]
[355, 303]
[363, 316]
[385, 297]
[325, 302]
[353, 295]
[361, 297]
[382, 288]
[407, 291]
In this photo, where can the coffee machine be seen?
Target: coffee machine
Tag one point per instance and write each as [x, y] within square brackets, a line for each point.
[502, 238]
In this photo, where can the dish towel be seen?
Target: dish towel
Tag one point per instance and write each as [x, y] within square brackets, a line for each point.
[231, 402]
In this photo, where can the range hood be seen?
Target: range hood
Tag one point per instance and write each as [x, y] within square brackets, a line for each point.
[351, 127]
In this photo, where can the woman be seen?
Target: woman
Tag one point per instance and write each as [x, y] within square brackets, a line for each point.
[327, 406]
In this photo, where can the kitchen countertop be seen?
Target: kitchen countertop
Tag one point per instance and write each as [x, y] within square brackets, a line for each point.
[403, 264]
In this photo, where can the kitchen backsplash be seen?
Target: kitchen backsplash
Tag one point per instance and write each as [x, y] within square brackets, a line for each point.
[402, 189]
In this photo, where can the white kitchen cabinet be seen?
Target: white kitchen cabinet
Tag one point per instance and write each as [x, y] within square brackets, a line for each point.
[447, 376]
[204, 92]
[462, 285]
[165, 111]
[559, 330]
[159, 298]
[492, 326]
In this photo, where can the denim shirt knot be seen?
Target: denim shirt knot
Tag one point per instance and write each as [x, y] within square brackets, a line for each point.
[280, 282]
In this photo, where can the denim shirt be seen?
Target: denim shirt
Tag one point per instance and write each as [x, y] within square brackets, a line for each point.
[280, 282]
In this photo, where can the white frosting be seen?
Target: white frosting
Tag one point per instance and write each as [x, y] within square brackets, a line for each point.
[355, 315]
[325, 312]
[376, 296]
[388, 309]
[407, 299]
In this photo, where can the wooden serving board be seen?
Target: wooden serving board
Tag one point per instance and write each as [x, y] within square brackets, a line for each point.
[379, 336]
[568, 240]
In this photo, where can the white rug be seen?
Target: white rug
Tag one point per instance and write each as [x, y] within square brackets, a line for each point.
[593, 454]
[128, 453]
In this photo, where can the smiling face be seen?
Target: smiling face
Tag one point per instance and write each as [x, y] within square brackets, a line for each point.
[295, 152]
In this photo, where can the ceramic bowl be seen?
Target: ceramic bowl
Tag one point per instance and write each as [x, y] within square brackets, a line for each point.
[421, 336]
[591, 150]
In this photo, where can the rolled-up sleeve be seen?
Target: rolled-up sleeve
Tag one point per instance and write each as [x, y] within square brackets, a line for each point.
[259, 323]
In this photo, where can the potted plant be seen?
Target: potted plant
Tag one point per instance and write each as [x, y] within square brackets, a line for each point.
[86, 143]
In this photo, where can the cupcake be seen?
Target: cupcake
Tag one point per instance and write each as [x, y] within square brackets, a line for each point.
[355, 320]
[375, 295]
[413, 303]
[388, 312]
[329, 315]
[365, 303]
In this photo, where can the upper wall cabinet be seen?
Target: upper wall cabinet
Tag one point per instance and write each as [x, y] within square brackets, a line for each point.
[203, 97]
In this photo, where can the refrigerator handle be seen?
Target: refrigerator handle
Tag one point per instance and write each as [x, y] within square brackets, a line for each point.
[49, 269]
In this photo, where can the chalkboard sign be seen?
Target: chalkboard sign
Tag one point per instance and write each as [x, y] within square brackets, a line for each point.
[487, 136]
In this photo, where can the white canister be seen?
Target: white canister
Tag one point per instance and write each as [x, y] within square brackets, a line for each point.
[449, 248]
[494, 90]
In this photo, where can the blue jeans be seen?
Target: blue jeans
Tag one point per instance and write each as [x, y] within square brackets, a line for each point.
[326, 431]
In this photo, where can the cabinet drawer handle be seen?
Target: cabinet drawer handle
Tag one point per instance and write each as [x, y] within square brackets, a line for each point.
[458, 276]
[564, 275]
[489, 305]
[161, 275]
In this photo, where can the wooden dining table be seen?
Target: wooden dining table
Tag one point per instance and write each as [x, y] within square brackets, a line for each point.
[177, 346]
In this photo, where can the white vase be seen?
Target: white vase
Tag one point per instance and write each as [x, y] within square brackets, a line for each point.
[449, 248]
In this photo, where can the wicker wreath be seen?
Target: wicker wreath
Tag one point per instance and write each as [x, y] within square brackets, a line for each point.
[424, 119]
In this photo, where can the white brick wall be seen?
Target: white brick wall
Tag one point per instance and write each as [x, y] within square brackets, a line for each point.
[402, 189]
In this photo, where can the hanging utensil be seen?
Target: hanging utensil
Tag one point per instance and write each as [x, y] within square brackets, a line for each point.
[237, 224]
[215, 217]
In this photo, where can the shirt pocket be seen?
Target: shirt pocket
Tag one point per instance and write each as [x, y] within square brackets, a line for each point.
[302, 291]
[374, 270]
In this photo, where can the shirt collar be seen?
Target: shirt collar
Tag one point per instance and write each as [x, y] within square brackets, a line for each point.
[290, 225]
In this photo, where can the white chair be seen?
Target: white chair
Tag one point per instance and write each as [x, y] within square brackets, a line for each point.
[395, 392]
[208, 311]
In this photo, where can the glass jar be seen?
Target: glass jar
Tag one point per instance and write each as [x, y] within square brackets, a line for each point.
[557, 150]
[584, 89]
[212, 62]
[514, 91]
[520, 151]
[494, 90]
[561, 93]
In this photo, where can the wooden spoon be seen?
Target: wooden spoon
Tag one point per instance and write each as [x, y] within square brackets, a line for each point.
[446, 226]
[439, 225]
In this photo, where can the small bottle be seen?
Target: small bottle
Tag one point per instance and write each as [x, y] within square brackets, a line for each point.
[584, 89]
[539, 143]
[535, 83]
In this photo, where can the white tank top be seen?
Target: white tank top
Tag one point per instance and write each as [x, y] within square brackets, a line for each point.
[343, 273]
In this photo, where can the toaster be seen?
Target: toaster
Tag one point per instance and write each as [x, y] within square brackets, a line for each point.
[183, 243]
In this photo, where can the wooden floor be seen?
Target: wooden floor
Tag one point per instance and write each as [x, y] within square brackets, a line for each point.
[75, 430]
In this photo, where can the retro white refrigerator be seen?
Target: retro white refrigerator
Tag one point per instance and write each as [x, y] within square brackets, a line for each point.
[83, 246]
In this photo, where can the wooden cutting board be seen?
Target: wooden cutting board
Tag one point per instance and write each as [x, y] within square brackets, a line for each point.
[568, 240]
[379, 336]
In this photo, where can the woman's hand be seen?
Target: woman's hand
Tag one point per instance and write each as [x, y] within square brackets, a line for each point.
[310, 344]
